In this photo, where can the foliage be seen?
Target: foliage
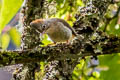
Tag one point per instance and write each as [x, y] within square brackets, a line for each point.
[110, 67]
[5, 40]
[15, 36]
[8, 9]
[66, 9]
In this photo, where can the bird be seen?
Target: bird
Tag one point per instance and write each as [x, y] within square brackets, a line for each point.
[57, 29]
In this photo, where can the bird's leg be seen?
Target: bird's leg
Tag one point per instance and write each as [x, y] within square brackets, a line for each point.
[68, 42]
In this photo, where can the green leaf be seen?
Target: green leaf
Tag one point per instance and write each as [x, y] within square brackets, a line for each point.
[96, 74]
[5, 39]
[80, 3]
[113, 64]
[91, 78]
[45, 40]
[78, 70]
[50, 1]
[111, 27]
[0, 4]
[59, 1]
[8, 9]
[15, 36]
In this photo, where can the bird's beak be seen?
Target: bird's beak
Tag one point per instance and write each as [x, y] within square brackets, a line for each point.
[32, 24]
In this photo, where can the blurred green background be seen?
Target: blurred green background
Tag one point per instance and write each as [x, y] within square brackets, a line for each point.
[109, 65]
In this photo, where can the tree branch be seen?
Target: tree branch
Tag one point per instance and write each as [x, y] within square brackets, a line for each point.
[61, 51]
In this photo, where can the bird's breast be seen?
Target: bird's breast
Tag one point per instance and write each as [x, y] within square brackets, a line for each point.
[59, 33]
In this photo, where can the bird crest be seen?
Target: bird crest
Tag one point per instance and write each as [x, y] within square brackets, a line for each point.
[37, 21]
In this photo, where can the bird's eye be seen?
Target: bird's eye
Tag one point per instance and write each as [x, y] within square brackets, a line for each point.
[43, 26]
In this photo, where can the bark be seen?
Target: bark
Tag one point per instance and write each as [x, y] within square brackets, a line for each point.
[30, 38]
[110, 45]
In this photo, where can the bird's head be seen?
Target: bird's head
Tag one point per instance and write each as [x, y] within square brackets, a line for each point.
[40, 24]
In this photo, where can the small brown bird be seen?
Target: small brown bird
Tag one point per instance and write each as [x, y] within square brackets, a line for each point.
[57, 29]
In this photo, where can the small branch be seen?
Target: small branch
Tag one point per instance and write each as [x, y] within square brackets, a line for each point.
[59, 52]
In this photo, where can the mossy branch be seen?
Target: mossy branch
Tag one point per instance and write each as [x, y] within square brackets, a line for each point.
[61, 51]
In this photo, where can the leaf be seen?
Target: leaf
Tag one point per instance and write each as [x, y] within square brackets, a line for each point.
[77, 70]
[113, 64]
[91, 78]
[15, 36]
[46, 40]
[0, 4]
[111, 27]
[96, 74]
[5, 39]
[59, 1]
[80, 3]
[50, 1]
[8, 9]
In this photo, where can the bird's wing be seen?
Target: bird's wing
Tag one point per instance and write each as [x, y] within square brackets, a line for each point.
[67, 25]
